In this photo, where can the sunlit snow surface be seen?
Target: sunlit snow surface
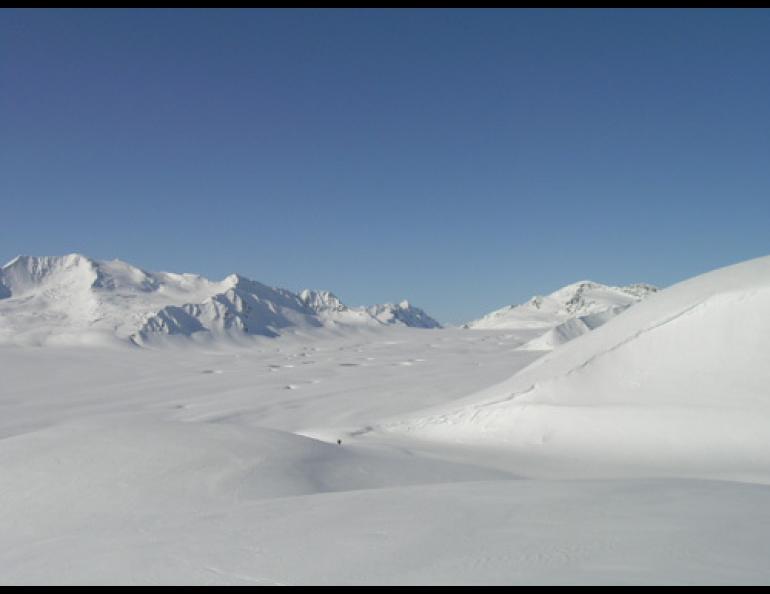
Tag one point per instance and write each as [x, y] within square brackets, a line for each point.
[634, 454]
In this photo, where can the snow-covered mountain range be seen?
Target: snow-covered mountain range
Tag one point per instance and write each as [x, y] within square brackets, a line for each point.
[76, 299]
[662, 414]
[72, 298]
[564, 314]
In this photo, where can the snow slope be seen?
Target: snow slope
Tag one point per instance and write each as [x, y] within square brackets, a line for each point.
[76, 300]
[571, 329]
[564, 314]
[219, 465]
[676, 385]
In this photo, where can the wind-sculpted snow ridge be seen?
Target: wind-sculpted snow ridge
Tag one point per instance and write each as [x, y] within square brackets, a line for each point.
[678, 384]
[571, 329]
[564, 314]
[73, 299]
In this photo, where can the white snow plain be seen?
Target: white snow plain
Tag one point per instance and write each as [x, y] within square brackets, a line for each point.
[637, 453]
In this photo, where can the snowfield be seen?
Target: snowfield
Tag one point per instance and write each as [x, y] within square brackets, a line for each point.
[165, 429]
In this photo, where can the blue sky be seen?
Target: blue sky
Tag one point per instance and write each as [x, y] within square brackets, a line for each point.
[461, 159]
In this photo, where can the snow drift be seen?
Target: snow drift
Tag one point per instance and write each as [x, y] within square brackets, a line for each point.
[677, 384]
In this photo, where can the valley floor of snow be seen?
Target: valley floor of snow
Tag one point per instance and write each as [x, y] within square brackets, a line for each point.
[127, 465]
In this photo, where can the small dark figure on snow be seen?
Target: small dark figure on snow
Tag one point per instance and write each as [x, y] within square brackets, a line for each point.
[339, 442]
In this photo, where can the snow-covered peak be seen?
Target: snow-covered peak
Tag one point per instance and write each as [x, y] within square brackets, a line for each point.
[402, 313]
[576, 300]
[45, 263]
[588, 297]
[320, 301]
[327, 305]
[640, 290]
[32, 273]
[25, 273]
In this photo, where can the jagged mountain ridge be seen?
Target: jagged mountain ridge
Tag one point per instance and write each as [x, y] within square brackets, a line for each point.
[61, 299]
[404, 313]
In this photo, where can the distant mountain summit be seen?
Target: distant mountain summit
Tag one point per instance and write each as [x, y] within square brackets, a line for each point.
[72, 298]
[402, 313]
[322, 301]
[328, 306]
[564, 314]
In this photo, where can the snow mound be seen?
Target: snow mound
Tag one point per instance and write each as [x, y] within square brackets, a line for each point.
[677, 384]
[73, 299]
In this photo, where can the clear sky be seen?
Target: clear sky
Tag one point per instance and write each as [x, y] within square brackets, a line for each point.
[462, 159]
